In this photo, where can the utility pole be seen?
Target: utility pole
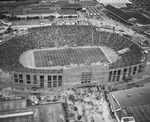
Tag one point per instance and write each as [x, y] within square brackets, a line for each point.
[99, 39]
[92, 38]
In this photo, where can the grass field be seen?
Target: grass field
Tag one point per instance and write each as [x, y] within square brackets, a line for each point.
[66, 56]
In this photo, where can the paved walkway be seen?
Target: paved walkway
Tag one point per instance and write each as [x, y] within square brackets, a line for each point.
[106, 114]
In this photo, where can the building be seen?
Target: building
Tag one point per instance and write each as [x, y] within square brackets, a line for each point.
[43, 10]
[69, 1]
[130, 16]
[119, 14]
[115, 3]
[19, 111]
[15, 110]
[139, 18]
[131, 103]
[92, 11]
[68, 14]
[71, 6]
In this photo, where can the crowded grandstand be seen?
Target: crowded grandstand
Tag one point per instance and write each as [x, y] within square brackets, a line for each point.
[48, 37]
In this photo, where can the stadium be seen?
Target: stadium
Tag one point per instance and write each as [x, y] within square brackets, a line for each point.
[70, 56]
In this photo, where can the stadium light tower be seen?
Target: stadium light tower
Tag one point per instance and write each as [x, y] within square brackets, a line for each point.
[99, 39]
[92, 38]
[113, 30]
[108, 38]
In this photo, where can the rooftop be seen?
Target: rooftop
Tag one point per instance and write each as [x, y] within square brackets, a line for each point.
[140, 18]
[141, 113]
[41, 5]
[131, 97]
[49, 112]
[67, 12]
[134, 102]
[114, 1]
[39, 11]
[35, 9]
[71, 6]
[118, 13]
[89, 3]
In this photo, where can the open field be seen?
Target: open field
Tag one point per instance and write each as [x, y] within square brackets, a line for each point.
[66, 56]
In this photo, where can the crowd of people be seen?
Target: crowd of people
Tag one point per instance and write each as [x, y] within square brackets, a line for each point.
[5, 95]
[55, 36]
[86, 103]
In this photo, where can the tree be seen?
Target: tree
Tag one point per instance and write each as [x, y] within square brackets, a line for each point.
[75, 108]
[9, 29]
[36, 17]
[71, 98]
[70, 16]
[28, 18]
[2, 16]
[79, 117]
[72, 115]
[51, 17]
[18, 18]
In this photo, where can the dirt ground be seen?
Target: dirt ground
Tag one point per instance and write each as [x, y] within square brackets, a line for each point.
[48, 113]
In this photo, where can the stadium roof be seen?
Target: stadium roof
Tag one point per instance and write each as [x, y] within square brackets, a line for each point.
[132, 96]
[66, 56]
[117, 12]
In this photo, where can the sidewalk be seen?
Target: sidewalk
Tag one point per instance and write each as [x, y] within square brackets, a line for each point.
[106, 114]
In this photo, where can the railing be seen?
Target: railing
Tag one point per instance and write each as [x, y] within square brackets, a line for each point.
[21, 110]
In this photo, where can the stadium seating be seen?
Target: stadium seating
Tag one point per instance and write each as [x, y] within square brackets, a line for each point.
[55, 36]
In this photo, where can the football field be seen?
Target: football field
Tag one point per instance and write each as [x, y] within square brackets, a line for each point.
[66, 56]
